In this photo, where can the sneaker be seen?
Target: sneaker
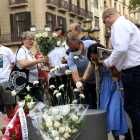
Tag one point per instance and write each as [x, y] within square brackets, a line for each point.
[0, 112]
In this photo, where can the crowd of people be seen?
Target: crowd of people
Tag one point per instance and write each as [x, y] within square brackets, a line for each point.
[95, 75]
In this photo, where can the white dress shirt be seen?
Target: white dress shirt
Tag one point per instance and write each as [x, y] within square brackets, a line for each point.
[125, 40]
[55, 60]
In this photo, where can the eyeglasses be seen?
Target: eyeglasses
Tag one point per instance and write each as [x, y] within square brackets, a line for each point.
[30, 39]
[75, 50]
[105, 18]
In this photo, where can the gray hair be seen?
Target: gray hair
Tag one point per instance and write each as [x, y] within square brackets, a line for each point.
[73, 37]
[77, 26]
[26, 34]
[109, 10]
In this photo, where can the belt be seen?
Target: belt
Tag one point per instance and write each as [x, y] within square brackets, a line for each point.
[133, 68]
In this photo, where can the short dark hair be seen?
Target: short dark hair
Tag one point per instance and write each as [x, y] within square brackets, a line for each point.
[92, 38]
[60, 28]
[93, 49]
[105, 52]
[138, 25]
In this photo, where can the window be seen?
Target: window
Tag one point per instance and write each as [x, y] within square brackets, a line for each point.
[104, 5]
[115, 5]
[21, 19]
[123, 10]
[110, 3]
[61, 22]
[96, 4]
[86, 6]
[50, 21]
[97, 22]
[71, 21]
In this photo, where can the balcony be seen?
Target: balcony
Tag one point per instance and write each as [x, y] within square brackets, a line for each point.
[52, 3]
[90, 15]
[63, 6]
[8, 39]
[107, 32]
[18, 3]
[81, 13]
[73, 10]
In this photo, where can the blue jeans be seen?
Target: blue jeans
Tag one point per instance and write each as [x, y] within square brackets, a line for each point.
[131, 85]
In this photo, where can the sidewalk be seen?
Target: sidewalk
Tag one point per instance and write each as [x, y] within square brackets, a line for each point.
[110, 137]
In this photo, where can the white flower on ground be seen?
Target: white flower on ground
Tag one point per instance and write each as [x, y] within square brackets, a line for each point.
[59, 117]
[58, 95]
[78, 84]
[55, 92]
[74, 102]
[62, 139]
[61, 129]
[21, 103]
[74, 118]
[13, 93]
[57, 138]
[57, 124]
[75, 90]
[57, 68]
[53, 70]
[58, 43]
[30, 105]
[54, 35]
[28, 88]
[45, 116]
[54, 133]
[63, 56]
[66, 135]
[49, 124]
[55, 111]
[76, 57]
[67, 72]
[61, 86]
[41, 127]
[82, 95]
[52, 86]
[44, 136]
[39, 34]
[44, 34]
[68, 130]
[35, 82]
[74, 130]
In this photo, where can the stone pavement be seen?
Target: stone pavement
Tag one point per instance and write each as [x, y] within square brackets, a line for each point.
[110, 137]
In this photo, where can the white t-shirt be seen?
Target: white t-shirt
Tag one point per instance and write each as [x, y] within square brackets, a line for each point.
[25, 54]
[6, 58]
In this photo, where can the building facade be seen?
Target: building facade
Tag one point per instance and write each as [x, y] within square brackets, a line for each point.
[18, 15]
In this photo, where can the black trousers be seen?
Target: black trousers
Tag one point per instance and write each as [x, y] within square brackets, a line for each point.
[66, 94]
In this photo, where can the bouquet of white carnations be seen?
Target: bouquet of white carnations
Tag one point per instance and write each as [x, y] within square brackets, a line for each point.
[61, 122]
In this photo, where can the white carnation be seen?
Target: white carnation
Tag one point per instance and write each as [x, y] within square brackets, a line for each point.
[55, 92]
[28, 88]
[49, 124]
[54, 35]
[54, 133]
[57, 68]
[59, 117]
[63, 56]
[13, 93]
[78, 84]
[21, 103]
[35, 82]
[64, 43]
[39, 35]
[58, 43]
[41, 127]
[57, 138]
[52, 86]
[55, 111]
[74, 118]
[36, 35]
[75, 90]
[53, 70]
[67, 72]
[75, 57]
[68, 130]
[61, 129]
[61, 86]
[30, 105]
[44, 136]
[74, 130]
[62, 139]
[82, 95]
[57, 124]
[66, 135]
[44, 34]
[74, 102]
[45, 116]
[50, 118]
[58, 95]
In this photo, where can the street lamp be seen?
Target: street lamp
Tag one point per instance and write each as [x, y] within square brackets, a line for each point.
[85, 30]
[47, 28]
[32, 28]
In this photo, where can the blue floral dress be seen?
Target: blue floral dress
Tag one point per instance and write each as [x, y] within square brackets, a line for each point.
[111, 102]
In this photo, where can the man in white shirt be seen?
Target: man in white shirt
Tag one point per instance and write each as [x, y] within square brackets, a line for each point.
[6, 60]
[125, 40]
[59, 77]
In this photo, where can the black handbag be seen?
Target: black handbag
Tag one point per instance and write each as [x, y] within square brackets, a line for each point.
[18, 79]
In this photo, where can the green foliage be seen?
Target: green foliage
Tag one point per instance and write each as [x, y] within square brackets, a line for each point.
[134, 4]
[79, 125]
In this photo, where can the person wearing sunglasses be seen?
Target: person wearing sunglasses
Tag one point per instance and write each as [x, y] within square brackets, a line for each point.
[108, 96]
[79, 48]
[125, 40]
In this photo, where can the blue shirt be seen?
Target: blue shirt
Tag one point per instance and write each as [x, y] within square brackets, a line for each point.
[85, 38]
[82, 63]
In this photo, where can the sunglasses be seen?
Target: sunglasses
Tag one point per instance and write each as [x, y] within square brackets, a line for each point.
[105, 18]
[75, 50]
